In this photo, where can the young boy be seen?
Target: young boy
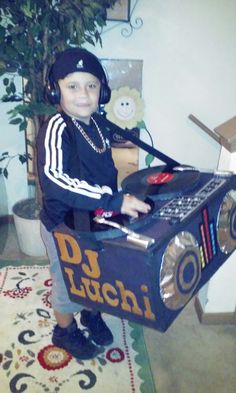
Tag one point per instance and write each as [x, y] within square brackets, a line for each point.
[77, 173]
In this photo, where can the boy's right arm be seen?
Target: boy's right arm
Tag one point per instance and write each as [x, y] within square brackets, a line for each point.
[132, 206]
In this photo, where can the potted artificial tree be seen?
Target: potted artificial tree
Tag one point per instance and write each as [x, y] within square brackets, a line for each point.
[5, 163]
[31, 34]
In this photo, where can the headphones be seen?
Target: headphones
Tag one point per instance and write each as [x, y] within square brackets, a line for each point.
[53, 94]
[52, 91]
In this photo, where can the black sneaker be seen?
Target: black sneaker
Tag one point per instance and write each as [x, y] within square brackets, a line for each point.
[99, 332]
[73, 341]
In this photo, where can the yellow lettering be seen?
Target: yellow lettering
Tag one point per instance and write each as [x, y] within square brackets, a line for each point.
[92, 290]
[75, 291]
[93, 270]
[69, 248]
[106, 288]
[148, 312]
[125, 294]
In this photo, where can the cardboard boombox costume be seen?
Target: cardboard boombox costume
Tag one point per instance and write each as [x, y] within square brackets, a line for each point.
[146, 270]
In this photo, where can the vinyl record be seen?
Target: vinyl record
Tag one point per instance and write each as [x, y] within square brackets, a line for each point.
[160, 182]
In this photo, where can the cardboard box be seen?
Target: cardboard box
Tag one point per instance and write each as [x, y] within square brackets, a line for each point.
[227, 133]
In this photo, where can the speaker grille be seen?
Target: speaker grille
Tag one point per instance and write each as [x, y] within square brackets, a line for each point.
[180, 270]
[226, 223]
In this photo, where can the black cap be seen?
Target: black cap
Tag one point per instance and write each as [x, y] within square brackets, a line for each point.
[76, 60]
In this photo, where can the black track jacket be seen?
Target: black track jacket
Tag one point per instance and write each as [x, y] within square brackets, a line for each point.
[72, 174]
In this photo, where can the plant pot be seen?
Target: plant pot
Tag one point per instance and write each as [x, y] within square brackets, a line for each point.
[28, 228]
[3, 214]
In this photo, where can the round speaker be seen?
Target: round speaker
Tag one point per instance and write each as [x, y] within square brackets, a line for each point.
[226, 223]
[180, 270]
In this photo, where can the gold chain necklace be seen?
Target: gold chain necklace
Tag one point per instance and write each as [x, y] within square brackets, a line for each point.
[86, 137]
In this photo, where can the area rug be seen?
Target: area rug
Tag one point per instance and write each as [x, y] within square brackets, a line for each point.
[30, 363]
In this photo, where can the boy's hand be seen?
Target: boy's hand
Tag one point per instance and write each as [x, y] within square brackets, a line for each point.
[132, 206]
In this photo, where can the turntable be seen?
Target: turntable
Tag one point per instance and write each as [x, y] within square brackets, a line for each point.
[162, 182]
[146, 270]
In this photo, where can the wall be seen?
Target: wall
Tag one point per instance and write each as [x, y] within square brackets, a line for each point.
[188, 49]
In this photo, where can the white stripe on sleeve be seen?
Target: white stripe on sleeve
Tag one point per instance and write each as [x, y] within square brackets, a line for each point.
[54, 162]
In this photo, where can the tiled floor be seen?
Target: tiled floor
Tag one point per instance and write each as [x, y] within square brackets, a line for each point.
[188, 358]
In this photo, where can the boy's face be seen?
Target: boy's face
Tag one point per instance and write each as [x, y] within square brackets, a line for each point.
[80, 93]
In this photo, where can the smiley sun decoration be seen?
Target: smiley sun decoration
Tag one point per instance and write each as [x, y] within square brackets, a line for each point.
[125, 108]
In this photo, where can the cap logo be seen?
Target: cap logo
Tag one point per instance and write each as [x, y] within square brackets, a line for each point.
[80, 64]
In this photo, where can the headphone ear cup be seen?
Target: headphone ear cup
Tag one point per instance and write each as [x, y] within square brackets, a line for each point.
[52, 92]
[105, 94]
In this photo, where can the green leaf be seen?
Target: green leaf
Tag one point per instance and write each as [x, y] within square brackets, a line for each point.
[13, 87]
[40, 291]
[2, 70]
[18, 120]
[5, 173]
[8, 354]
[26, 9]
[22, 158]
[31, 353]
[6, 365]
[101, 361]
[8, 90]
[5, 81]
[149, 159]
[2, 32]
[28, 364]
[141, 124]
[23, 125]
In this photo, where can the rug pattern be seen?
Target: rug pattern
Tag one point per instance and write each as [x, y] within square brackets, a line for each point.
[30, 363]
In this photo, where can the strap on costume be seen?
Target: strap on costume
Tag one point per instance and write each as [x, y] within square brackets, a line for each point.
[81, 220]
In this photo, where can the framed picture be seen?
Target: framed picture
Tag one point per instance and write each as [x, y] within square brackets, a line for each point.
[120, 11]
